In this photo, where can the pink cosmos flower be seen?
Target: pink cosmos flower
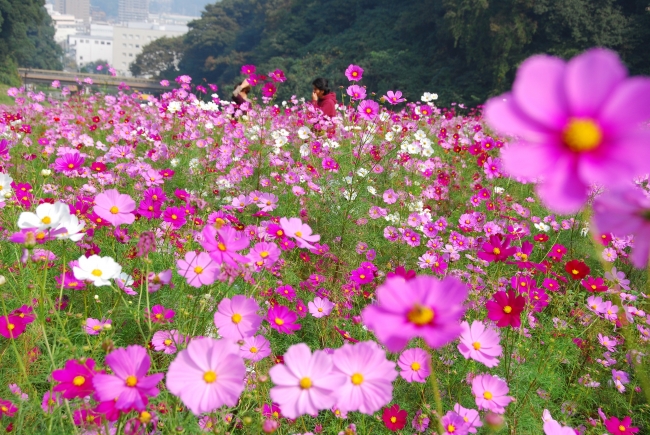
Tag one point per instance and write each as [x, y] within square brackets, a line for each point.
[454, 424]
[305, 383]
[282, 319]
[356, 92]
[264, 254]
[320, 307]
[294, 228]
[160, 314]
[166, 341]
[577, 123]
[620, 427]
[354, 73]
[76, 379]
[198, 269]
[7, 408]
[223, 244]
[207, 375]
[94, 326]
[248, 69]
[237, 318]
[415, 365]
[480, 343]
[552, 427]
[506, 308]
[12, 326]
[269, 90]
[368, 377]
[368, 110]
[626, 211]
[470, 416]
[490, 393]
[421, 307]
[174, 216]
[130, 384]
[255, 348]
[394, 97]
[50, 401]
[115, 207]
[68, 162]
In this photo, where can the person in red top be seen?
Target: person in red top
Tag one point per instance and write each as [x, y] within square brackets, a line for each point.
[323, 98]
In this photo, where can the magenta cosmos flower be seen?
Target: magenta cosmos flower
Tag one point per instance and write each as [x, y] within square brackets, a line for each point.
[415, 365]
[282, 319]
[368, 377]
[129, 386]
[7, 408]
[198, 269]
[237, 318]
[356, 92]
[394, 97]
[368, 109]
[115, 207]
[577, 124]
[305, 383]
[294, 228]
[223, 244]
[506, 309]
[354, 73]
[624, 212]
[490, 393]
[422, 307]
[207, 375]
[480, 343]
[76, 379]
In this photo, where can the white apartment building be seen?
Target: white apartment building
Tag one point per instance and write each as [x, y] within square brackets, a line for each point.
[89, 48]
[64, 24]
[129, 39]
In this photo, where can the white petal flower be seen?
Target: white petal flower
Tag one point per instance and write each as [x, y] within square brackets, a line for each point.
[98, 270]
[46, 216]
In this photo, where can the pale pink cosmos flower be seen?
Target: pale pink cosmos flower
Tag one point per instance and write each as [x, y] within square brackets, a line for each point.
[115, 207]
[471, 417]
[607, 342]
[595, 304]
[552, 427]
[94, 326]
[294, 228]
[198, 269]
[490, 393]
[394, 97]
[578, 124]
[264, 254]
[480, 343]
[368, 377]
[255, 348]
[305, 383]
[129, 386]
[320, 307]
[223, 244]
[166, 341]
[207, 375]
[421, 307]
[415, 365]
[237, 318]
[356, 92]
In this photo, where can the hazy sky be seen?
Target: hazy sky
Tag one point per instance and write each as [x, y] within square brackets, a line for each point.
[184, 7]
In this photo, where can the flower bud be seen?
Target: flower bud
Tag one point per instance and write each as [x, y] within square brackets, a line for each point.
[3, 280]
[46, 172]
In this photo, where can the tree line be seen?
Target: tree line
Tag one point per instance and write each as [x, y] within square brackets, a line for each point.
[464, 50]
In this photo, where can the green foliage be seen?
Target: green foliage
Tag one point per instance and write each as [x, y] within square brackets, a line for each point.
[159, 58]
[26, 38]
[465, 50]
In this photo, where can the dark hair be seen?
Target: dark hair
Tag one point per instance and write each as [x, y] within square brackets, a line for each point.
[245, 90]
[322, 85]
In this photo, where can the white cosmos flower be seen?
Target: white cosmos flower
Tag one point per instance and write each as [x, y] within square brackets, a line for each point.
[542, 227]
[362, 172]
[390, 136]
[98, 270]
[46, 216]
[72, 227]
[303, 133]
[5, 186]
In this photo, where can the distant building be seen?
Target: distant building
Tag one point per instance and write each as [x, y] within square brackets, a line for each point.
[129, 39]
[80, 9]
[89, 48]
[64, 24]
[132, 10]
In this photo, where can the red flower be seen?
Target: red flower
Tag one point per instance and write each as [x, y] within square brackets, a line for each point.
[620, 427]
[394, 418]
[506, 309]
[577, 269]
[541, 238]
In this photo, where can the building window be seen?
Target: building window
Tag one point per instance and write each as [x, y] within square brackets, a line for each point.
[130, 54]
[137, 45]
[103, 43]
[96, 42]
[108, 43]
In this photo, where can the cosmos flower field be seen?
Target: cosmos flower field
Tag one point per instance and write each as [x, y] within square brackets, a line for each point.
[178, 264]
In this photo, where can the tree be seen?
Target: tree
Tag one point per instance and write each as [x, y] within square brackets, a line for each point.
[47, 53]
[159, 58]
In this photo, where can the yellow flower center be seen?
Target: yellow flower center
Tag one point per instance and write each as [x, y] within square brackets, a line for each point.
[97, 328]
[305, 383]
[415, 366]
[46, 220]
[357, 378]
[280, 233]
[174, 217]
[575, 272]
[145, 417]
[582, 135]
[320, 310]
[96, 272]
[362, 276]
[487, 395]
[621, 428]
[420, 315]
[264, 254]
[236, 318]
[393, 419]
[70, 165]
[78, 381]
[198, 269]
[11, 326]
[221, 246]
[476, 345]
[114, 210]
[209, 376]
[496, 251]
[507, 309]
[131, 381]
[451, 428]
[253, 349]
[299, 233]
[279, 321]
